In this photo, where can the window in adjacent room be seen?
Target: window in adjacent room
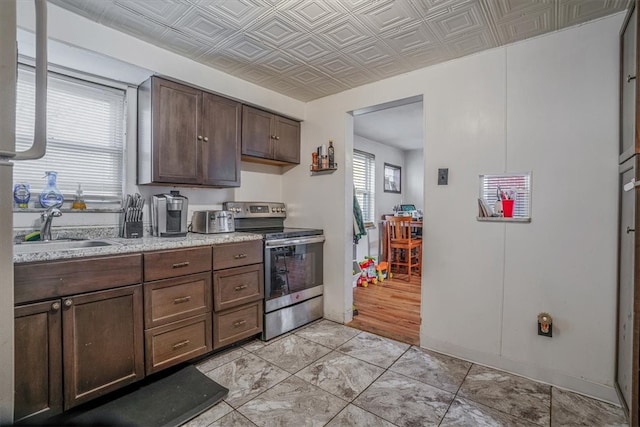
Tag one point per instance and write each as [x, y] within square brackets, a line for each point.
[364, 173]
[85, 136]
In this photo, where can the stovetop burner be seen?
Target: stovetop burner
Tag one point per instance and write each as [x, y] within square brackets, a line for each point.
[284, 232]
[266, 218]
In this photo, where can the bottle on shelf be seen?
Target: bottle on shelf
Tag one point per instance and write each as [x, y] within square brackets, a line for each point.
[51, 196]
[331, 155]
[78, 202]
[314, 161]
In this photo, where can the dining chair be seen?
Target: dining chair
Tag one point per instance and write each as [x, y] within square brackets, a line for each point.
[404, 251]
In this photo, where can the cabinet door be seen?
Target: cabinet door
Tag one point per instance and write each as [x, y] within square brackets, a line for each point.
[38, 361]
[176, 128]
[257, 133]
[287, 143]
[628, 87]
[628, 322]
[221, 141]
[103, 343]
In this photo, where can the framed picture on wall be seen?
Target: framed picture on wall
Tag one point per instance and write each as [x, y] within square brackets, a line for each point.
[392, 178]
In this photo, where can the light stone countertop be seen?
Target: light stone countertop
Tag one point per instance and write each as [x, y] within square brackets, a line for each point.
[145, 244]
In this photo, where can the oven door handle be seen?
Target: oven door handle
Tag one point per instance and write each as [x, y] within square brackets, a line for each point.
[290, 242]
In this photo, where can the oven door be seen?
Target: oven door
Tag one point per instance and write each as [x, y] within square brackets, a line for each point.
[293, 271]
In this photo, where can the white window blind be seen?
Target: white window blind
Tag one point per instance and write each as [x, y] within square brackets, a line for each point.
[85, 136]
[516, 183]
[364, 174]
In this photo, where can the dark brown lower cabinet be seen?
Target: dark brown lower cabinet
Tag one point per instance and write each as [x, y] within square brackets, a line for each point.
[38, 361]
[103, 343]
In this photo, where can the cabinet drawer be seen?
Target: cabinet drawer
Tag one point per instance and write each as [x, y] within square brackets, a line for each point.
[237, 323]
[174, 263]
[237, 254]
[236, 286]
[169, 300]
[54, 279]
[177, 342]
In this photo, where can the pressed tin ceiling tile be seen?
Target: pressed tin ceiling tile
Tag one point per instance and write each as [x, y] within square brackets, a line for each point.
[307, 49]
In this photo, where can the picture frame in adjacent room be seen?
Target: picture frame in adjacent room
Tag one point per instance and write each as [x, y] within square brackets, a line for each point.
[392, 178]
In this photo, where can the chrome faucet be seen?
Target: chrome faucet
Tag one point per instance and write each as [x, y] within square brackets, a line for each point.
[47, 217]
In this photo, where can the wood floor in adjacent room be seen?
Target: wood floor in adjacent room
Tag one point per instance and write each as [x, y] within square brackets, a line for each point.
[390, 309]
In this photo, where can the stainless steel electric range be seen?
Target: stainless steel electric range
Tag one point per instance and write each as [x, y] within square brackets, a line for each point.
[293, 262]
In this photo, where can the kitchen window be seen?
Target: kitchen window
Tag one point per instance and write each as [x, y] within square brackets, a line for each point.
[85, 136]
[364, 174]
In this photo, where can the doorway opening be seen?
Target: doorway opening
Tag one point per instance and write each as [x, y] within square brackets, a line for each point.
[388, 178]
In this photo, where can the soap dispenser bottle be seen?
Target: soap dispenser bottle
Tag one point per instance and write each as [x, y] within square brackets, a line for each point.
[51, 196]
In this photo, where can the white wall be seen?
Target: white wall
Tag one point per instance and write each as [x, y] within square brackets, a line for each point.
[413, 179]
[546, 105]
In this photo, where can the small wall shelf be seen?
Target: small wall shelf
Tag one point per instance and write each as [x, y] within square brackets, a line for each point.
[503, 219]
[323, 171]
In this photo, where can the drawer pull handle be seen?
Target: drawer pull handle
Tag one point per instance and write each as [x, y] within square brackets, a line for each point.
[630, 77]
[240, 256]
[241, 287]
[181, 344]
[239, 323]
[182, 299]
[181, 264]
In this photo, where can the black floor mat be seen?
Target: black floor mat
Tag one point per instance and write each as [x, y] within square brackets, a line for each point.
[169, 401]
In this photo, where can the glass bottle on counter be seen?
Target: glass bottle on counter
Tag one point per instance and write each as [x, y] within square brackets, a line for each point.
[78, 202]
[51, 196]
[331, 155]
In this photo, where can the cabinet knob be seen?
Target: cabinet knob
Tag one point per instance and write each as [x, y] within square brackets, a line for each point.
[68, 303]
[629, 229]
[55, 306]
[630, 77]
[277, 138]
[199, 137]
[273, 137]
[206, 139]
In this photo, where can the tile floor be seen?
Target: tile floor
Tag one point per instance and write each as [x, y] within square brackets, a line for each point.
[333, 375]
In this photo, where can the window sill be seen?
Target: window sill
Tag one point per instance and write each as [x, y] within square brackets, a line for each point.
[503, 219]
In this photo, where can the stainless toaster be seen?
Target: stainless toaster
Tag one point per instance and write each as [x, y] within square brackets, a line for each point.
[207, 222]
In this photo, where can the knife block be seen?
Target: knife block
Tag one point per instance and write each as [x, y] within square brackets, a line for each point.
[132, 229]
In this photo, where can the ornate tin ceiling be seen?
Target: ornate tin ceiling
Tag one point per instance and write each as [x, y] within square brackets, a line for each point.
[308, 49]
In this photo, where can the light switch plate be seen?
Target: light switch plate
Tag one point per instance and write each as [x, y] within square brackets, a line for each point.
[443, 176]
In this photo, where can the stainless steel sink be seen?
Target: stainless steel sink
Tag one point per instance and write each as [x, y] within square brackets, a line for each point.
[59, 245]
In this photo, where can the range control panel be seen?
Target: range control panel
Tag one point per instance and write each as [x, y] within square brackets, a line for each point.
[256, 209]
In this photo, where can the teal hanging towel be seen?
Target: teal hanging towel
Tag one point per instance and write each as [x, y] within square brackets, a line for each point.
[358, 223]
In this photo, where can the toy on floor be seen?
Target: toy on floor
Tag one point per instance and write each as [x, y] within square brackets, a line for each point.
[368, 272]
[383, 271]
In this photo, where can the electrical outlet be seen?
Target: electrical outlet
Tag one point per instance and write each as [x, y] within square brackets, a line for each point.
[443, 176]
[549, 332]
[545, 325]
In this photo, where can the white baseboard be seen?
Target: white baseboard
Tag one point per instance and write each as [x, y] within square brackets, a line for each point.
[528, 370]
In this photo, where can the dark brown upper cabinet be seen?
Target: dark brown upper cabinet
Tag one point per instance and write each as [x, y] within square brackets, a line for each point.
[187, 136]
[269, 138]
